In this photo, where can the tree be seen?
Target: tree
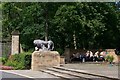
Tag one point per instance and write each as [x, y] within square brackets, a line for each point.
[73, 25]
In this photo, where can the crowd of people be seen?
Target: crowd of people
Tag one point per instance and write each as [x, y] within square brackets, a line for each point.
[89, 56]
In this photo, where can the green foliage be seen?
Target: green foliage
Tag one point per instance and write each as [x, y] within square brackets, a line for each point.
[109, 58]
[3, 60]
[20, 61]
[5, 56]
[15, 64]
[60, 51]
[96, 25]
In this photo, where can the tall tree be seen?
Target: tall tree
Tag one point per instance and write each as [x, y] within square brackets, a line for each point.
[74, 25]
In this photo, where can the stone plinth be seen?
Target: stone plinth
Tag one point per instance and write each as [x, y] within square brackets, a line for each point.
[45, 59]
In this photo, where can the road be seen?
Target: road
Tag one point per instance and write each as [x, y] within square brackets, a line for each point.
[26, 75]
[11, 76]
[99, 69]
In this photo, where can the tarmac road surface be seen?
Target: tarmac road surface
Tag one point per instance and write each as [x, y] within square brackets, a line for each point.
[26, 75]
[11, 76]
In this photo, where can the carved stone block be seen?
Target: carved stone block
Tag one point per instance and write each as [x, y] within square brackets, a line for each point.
[45, 59]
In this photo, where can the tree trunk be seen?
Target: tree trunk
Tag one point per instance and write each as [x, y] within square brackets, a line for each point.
[74, 39]
[46, 24]
[46, 31]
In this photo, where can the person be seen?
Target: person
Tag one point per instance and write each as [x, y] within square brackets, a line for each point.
[102, 55]
[96, 56]
[87, 55]
[91, 55]
[75, 57]
[78, 56]
[72, 58]
[82, 57]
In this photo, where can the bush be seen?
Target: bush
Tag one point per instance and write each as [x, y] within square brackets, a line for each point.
[3, 60]
[4, 57]
[109, 58]
[60, 51]
[20, 61]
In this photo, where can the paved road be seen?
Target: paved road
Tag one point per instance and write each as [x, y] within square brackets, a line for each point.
[26, 75]
[10, 76]
[102, 69]
[111, 71]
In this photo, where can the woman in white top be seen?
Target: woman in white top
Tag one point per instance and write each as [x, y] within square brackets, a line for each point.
[96, 56]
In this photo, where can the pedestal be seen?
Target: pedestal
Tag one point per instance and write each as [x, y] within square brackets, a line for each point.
[45, 59]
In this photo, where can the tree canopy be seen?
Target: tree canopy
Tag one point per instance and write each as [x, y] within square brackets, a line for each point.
[88, 25]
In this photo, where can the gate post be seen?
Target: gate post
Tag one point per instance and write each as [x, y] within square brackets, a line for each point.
[15, 43]
[67, 55]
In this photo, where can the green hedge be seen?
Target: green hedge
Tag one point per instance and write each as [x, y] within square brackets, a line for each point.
[20, 61]
[3, 60]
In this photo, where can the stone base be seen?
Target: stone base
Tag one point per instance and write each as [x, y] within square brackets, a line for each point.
[45, 59]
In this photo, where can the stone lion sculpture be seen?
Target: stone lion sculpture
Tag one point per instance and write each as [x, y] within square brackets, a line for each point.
[43, 45]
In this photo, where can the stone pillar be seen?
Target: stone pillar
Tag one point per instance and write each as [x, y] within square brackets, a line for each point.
[15, 43]
[62, 60]
[67, 54]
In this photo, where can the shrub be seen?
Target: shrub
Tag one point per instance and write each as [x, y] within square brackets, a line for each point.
[60, 51]
[4, 57]
[109, 58]
[20, 61]
[3, 60]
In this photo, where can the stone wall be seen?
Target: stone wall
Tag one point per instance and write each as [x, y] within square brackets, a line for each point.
[44, 59]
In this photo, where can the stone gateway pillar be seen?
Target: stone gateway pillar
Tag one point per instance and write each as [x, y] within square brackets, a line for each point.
[45, 59]
[15, 43]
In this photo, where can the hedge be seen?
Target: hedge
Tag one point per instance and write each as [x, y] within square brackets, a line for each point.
[19, 61]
